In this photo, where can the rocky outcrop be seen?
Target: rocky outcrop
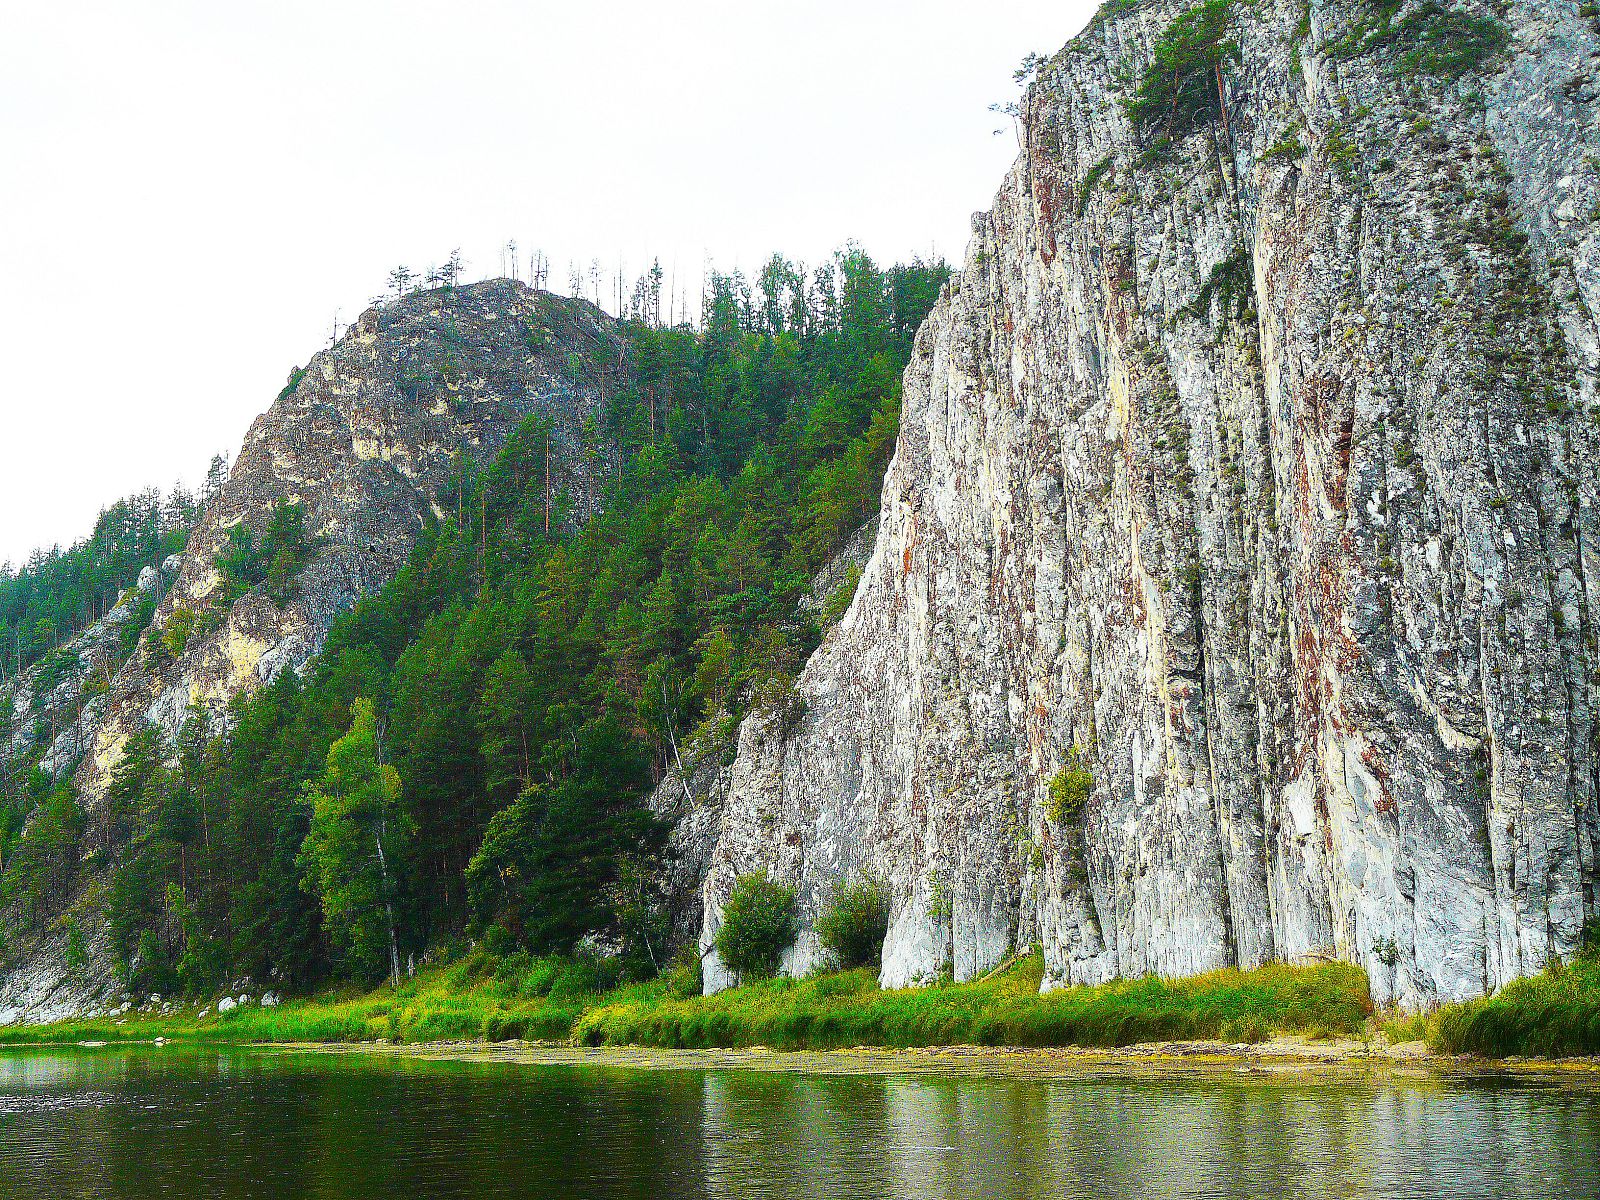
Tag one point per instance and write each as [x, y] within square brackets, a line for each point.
[689, 801]
[41, 987]
[1235, 599]
[366, 439]
[56, 704]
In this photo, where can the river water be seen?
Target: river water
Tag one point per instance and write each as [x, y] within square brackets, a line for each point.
[223, 1124]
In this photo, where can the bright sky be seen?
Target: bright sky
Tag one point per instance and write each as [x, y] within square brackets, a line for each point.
[189, 191]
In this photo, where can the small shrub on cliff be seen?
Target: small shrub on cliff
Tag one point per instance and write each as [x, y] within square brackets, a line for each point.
[854, 924]
[1434, 40]
[1100, 171]
[274, 560]
[839, 602]
[758, 924]
[178, 630]
[1070, 790]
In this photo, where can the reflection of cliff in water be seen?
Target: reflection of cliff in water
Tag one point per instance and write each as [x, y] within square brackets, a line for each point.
[926, 1136]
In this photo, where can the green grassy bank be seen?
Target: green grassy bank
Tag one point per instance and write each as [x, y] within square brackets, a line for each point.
[551, 1000]
[848, 1009]
[1555, 1014]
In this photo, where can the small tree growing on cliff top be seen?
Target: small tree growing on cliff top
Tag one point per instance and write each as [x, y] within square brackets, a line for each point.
[1181, 90]
[758, 924]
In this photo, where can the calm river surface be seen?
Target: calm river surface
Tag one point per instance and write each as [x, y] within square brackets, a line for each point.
[235, 1123]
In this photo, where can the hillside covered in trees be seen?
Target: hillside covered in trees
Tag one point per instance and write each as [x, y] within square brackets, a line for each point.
[469, 753]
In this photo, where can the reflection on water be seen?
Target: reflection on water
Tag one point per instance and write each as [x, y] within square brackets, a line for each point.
[167, 1123]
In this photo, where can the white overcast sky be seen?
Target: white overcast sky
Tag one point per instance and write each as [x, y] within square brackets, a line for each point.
[188, 191]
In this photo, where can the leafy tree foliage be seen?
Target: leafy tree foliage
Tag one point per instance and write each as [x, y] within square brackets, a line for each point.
[532, 680]
[1181, 90]
[855, 922]
[758, 924]
[271, 560]
[357, 830]
[40, 860]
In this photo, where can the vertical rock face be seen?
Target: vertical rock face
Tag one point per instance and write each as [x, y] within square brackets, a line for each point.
[1236, 589]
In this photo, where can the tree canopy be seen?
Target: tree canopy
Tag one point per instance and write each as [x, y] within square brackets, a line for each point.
[471, 750]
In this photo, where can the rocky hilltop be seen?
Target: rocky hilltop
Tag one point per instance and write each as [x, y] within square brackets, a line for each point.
[365, 441]
[1235, 598]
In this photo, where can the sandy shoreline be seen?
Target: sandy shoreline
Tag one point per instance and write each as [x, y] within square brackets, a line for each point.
[1289, 1059]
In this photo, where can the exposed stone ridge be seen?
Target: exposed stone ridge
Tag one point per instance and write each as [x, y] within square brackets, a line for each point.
[365, 438]
[1261, 480]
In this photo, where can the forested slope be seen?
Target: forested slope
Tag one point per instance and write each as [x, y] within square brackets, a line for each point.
[498, 711]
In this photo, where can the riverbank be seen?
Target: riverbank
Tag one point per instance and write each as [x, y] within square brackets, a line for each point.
[1318, 1013]
[552, 1001]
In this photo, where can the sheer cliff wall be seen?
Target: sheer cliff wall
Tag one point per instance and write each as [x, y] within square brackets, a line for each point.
[1235, 597]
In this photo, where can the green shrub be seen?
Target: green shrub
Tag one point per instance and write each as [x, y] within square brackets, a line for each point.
[499, 941]
[274, 560]
[1288, 146]
[1433, 40]
[1554, 1013]
[686, 977]
[179, 628]
[842, 595]
[853, 926]
[758, 924]
[539, 978]
[1070, 790]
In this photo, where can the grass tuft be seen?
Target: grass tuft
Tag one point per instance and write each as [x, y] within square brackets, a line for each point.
[1555, 1014]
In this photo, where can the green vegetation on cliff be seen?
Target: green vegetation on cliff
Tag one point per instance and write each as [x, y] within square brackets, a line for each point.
[58, 593]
